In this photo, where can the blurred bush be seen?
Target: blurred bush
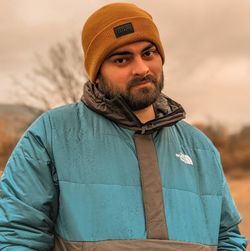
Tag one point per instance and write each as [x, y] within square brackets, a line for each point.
[8, 140]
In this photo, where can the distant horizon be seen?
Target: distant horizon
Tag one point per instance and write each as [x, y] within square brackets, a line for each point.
[230, 129]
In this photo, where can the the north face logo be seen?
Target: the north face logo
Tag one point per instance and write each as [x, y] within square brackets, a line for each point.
[185, 158]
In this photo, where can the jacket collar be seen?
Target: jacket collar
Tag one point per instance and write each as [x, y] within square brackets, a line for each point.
[168, 112]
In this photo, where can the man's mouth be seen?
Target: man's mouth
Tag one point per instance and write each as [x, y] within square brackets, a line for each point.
[142, 84]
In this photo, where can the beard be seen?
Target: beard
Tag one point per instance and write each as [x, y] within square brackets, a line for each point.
[136, 98]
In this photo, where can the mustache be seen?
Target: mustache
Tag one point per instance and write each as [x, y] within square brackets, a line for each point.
[138, 80]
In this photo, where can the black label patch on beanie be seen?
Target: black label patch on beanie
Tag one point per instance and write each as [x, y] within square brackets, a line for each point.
[124, 29]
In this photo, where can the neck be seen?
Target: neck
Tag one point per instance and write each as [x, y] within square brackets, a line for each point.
[145, 114]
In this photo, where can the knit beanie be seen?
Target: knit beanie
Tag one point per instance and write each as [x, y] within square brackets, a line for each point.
[113, 26]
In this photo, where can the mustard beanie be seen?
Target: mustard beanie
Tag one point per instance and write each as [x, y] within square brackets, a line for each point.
[112, 26]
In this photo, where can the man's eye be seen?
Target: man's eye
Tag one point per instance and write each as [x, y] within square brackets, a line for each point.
[120, 60]
[148, 53]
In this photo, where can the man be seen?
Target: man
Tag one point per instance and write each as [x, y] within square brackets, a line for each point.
[119, 170]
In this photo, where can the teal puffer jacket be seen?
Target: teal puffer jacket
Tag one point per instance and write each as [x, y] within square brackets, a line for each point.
[73, 180]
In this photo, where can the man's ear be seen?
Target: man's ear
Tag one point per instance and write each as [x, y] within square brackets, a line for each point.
[97, 80]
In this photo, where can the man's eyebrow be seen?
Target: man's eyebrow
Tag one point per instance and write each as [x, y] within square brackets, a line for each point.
[125, 53]
[148, 47]
[119, 53]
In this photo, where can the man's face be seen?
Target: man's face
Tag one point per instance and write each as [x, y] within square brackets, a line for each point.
[133, 71]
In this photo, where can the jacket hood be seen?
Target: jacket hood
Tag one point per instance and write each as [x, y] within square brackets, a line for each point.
[168, 112]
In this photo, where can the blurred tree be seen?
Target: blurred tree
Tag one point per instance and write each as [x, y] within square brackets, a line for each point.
[55, 80]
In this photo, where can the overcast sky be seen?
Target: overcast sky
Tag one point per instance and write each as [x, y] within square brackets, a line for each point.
[207, 45]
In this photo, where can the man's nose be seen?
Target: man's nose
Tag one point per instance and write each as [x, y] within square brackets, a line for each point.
[140, 67]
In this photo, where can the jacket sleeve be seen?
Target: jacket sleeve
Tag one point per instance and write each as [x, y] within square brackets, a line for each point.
[29, 194]
[229, 236]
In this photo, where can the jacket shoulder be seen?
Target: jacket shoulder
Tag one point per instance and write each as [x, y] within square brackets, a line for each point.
[65, 114]
[192, 136]
[58, 118]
